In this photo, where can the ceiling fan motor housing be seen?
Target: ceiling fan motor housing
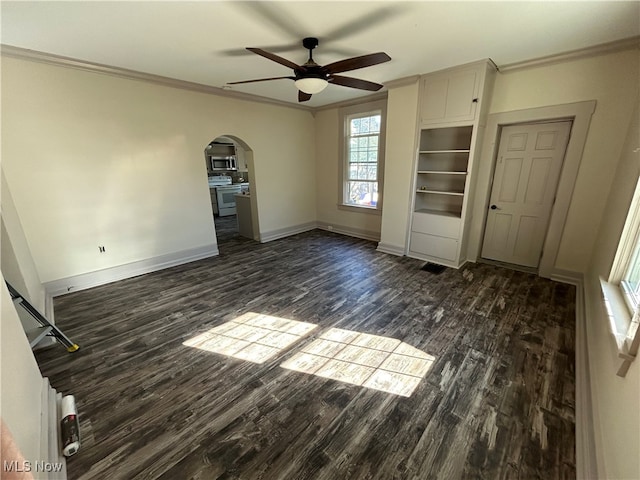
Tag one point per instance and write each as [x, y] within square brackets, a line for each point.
[310, 43]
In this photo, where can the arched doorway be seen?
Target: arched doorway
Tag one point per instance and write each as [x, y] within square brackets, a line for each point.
[231, 179]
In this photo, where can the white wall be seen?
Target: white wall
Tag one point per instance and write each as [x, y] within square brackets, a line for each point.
[612, 80]
[20, 381]
[616, 400]
[402, 109]
[93, 160]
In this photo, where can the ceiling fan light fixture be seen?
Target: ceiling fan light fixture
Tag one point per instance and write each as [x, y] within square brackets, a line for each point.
[311, 85]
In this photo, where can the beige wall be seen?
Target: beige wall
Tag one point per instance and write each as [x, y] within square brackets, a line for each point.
[612, 80]
[21, 383]
[615, 399]
[402, 109]
[328, 182]
[94, 160]
[17, 263]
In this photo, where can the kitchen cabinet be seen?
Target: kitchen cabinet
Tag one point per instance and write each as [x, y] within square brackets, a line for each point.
[452, 112]
[220, 157]
[243, 211]
[241, 160]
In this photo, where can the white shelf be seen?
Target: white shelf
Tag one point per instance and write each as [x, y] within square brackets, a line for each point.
[442, 213]
[444, 151]
[442, 172]
[440, 192]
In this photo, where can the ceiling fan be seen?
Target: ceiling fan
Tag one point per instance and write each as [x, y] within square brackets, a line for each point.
[312, 78]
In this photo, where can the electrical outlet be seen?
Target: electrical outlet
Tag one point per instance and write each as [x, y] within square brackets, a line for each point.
[330, 227]
[101, 248]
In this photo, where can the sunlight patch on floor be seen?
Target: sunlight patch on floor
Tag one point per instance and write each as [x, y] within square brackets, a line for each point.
[371, 361]
[253, 336]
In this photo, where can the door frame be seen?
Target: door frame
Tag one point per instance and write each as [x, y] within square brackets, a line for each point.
[580, 114]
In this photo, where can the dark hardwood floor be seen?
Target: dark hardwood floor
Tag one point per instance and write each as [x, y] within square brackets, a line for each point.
[226, 228]
[496, 403]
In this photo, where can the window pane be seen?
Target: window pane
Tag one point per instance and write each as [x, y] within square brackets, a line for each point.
[375, 124]
[355, 126]
[631, 279]
[363, 193]
[364, 125]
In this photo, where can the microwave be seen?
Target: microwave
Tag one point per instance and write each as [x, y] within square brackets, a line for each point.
[222, 163]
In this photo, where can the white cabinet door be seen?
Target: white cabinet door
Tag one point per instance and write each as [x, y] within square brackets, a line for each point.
[241, 160]
[433, 246]
[450, 96]
[524, 187]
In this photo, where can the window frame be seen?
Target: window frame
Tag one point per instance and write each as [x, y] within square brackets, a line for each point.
[345, 116]
[629, 244]
[622, 308]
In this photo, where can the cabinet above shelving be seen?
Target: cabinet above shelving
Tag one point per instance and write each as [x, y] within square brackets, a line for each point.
[450, 96]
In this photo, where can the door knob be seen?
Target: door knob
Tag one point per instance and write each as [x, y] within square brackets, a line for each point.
[494, 207]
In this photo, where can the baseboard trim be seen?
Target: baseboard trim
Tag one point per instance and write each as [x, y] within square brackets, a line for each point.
[390, 249]
[349, 231]
[48, 307]
[286, 232]
[87, 280]
[586, 464]
[570, 277]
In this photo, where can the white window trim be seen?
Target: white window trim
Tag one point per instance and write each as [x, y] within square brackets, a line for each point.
[344, 113]
[623, 321]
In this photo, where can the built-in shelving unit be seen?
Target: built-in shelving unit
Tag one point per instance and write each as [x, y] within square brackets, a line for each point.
[451, 108]
[442, 168]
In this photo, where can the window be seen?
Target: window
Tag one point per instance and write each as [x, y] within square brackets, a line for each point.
[630, 282]
[622, 290]
[363, 150]
[626, 265]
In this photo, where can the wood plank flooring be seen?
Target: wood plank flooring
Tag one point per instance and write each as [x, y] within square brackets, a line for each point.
[226, 228]
[497, 403]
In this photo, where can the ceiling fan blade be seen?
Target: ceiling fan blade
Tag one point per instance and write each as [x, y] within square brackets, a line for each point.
[303, 97]
[355, 83]
[357, 62]
[277, 59]
[259, 80]
[242, 52]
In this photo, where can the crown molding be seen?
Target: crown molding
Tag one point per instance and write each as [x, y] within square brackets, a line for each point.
[68, 62]
[402, 82]
[353, 101]
[604, 48]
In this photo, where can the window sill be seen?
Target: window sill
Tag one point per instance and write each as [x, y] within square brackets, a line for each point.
[622, 326]
[360, 209]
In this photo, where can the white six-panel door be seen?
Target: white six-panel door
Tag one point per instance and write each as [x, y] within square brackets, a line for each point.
[524, 188]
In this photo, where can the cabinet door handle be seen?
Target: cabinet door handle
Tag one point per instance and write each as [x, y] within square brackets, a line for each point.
[475, 100]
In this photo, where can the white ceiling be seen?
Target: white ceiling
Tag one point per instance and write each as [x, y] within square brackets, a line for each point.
[204, 42]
